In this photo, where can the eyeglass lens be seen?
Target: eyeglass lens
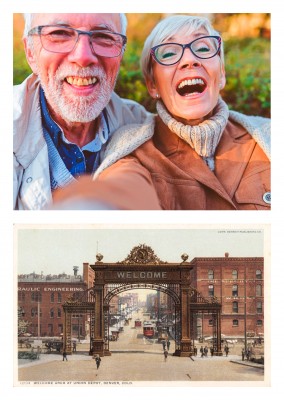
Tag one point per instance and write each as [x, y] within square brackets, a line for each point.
[63, 40]
[171, 53]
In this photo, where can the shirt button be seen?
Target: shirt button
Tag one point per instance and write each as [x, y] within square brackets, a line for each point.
[29, 179]
[267, 197]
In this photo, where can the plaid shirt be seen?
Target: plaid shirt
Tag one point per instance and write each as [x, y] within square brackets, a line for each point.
[77, 160]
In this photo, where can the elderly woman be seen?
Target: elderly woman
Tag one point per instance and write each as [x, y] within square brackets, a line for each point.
[195, 154]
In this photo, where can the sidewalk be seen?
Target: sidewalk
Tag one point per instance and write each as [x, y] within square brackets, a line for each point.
[248, 364]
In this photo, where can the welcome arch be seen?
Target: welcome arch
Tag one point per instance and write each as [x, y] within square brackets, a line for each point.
[142, 269]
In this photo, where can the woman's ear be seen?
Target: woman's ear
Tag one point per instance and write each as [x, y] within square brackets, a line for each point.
[30, 55]
[151, 86]
[222, 82]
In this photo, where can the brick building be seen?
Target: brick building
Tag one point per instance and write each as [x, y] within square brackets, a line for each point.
[40, 300]
[238, 284]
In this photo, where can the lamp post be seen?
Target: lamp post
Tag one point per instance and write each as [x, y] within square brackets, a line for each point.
[38, 315]
[245, 308]
[79, 328]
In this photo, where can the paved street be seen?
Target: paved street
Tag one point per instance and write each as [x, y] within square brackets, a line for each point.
[135, 359]
[138, 367]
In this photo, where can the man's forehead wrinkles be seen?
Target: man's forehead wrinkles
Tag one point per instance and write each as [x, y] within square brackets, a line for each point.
[91, 26]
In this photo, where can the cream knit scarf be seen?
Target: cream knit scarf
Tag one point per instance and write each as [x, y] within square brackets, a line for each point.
[203, 138]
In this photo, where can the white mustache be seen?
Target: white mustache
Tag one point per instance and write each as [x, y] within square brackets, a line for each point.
[63, 72]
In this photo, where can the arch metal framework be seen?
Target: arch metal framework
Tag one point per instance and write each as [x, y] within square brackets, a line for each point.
[142, 269]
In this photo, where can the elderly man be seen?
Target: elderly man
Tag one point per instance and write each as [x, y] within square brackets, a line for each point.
[66, 111]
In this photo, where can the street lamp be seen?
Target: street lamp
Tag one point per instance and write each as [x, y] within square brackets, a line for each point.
[245, 309]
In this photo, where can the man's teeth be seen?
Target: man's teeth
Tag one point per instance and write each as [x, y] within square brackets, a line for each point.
[81, 81]
[191, 82]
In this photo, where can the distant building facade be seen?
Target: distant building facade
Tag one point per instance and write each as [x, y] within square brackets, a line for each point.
[40, 300]
[236, 282]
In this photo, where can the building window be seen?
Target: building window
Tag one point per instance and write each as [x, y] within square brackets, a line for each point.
[51, 313]
[235, 322]
[59, 312]
[59, 298]
[235, 274]
[52, 297]
[33, 312]
[235, 307]
[36, 297]
[259, 322]
[259, 307]
[21, 312]
[76, 296]
[21, 296]
[210, 322]
[258, 274]
[50, 329]
[235, 290]
[210, 274]
[210, 290]
[258, 290]
[60, 329]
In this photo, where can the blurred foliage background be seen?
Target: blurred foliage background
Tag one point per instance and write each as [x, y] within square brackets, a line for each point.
[247, 59]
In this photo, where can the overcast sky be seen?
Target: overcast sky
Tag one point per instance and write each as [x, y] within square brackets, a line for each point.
[53, 250]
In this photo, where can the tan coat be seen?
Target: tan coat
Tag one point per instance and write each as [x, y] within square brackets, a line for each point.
[183, 181]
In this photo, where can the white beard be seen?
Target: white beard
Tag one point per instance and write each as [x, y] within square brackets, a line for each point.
[78, 108]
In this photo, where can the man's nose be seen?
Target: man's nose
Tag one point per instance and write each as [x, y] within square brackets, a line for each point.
[189, 59]
[82, 54]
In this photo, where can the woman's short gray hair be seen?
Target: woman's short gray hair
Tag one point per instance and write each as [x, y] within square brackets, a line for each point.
[29, 18]
[166, 28]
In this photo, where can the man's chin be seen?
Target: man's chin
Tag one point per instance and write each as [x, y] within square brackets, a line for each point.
[73, 113]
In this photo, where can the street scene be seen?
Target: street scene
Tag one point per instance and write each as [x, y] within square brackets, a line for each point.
[136, 357]
[156, 316]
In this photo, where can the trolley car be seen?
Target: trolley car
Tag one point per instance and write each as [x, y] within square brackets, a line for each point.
[137, 323]
[149, 330]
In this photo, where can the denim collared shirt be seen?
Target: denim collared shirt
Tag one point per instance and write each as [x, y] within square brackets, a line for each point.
[77, 160]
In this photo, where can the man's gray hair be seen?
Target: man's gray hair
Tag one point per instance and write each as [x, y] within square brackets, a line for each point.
[29, 18]
[168, 27]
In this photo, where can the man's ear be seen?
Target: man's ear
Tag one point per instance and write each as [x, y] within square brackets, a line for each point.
[151, 86]
[30, 56]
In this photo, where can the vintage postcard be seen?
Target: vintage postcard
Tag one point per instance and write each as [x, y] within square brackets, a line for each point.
[165, 305]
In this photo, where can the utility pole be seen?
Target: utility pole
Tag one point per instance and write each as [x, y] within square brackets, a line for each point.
[245, 307]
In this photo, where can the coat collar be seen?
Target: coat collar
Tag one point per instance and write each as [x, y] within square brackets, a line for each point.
[235, 145]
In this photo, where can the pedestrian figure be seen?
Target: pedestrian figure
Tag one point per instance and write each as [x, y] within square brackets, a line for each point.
[243, 354]
[168, 345]
[202, 351]
[64, 355]
[165, 355]
[226, 348]
[164, 345]
[205, 351]
[98, 361]
[74, 347]
[195, 351]
[248, 355]
[212, 351]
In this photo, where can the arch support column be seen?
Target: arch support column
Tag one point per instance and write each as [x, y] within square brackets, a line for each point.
[67, 339]
[98, 341]
[185, 342]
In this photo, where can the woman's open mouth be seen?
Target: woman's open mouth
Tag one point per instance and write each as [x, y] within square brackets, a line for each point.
[189, 87]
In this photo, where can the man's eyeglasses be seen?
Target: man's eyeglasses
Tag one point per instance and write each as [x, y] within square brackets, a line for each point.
[62, 39]
[171, 53]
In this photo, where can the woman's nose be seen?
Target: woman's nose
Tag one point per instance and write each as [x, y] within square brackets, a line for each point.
[189, 60]
[82, 54]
